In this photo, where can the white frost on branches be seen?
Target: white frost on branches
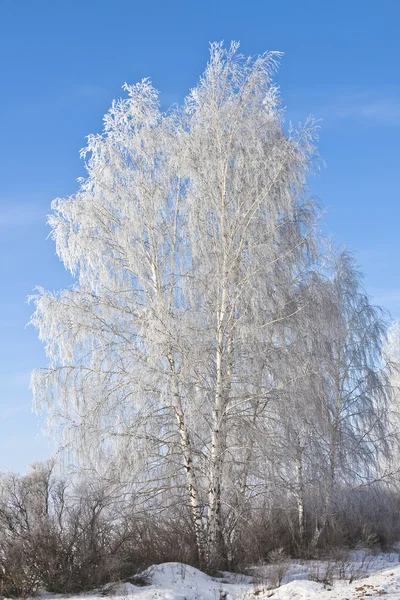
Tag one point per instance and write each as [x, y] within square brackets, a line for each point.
[195, 253]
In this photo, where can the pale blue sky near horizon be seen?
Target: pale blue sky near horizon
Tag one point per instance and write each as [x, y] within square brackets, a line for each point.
[62, 63]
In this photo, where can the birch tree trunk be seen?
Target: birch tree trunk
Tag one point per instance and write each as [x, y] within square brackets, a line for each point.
[300, 495]
[190, 469]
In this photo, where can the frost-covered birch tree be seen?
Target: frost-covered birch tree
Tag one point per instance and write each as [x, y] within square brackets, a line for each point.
[329, 421]
[355, 391]
[336, 417]
[189, 242]
[391, 357]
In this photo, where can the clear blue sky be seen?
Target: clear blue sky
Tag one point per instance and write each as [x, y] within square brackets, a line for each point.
[63, 61]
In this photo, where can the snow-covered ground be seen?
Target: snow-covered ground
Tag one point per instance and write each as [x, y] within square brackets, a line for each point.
[357, 576]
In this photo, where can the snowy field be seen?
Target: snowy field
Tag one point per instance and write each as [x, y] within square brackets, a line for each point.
[359, 575]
